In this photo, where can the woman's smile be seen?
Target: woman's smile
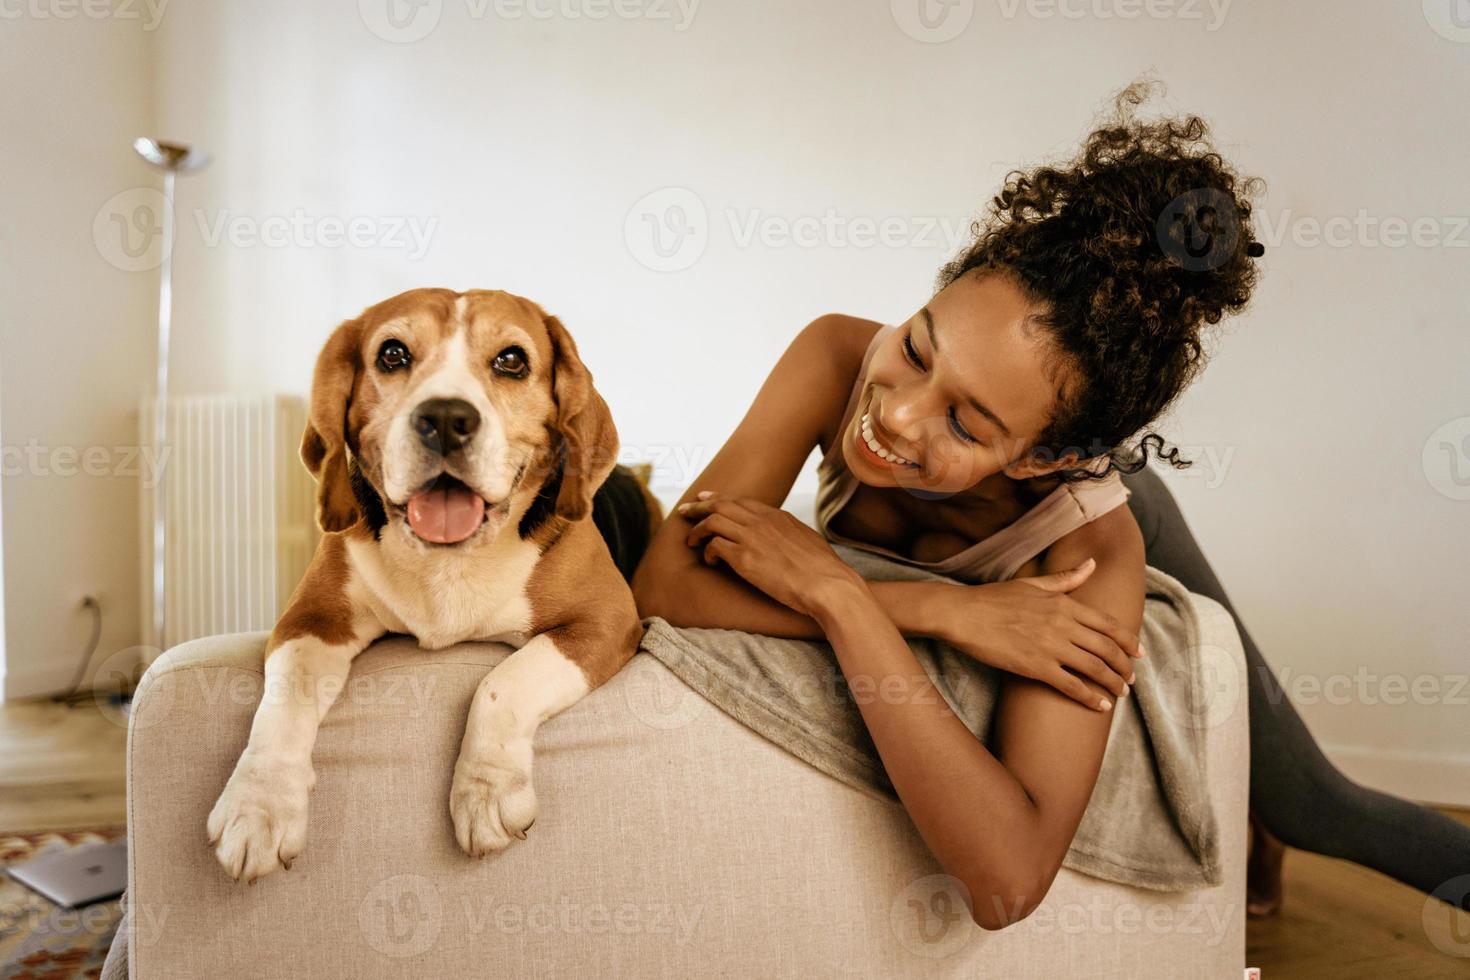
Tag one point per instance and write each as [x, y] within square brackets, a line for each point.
[873, 447]
[877, 448]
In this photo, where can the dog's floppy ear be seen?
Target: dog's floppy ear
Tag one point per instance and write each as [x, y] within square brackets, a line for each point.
[589, 441]
[324, 445]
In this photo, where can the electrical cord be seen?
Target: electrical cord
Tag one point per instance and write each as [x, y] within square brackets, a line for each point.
[91, 603]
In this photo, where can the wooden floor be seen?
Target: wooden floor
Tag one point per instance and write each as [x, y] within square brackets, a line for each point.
[62, 767]
[1340, 920]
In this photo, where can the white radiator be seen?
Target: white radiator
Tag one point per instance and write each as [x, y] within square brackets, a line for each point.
[240, 515]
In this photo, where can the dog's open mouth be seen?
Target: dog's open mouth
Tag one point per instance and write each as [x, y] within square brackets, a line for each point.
[447, 512]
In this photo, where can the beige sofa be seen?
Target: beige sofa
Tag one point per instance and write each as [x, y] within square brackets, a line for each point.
[671, 842]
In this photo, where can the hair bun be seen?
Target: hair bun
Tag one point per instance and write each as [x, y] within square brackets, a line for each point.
[1133, 246]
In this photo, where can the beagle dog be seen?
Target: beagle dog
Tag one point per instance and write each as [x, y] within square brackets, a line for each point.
[457, 443]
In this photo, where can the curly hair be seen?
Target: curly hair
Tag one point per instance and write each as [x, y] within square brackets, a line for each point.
[1130, 247]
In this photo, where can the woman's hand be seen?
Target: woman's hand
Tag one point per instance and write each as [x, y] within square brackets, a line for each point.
[1031, 627]
[1026, 626]
[769, 548]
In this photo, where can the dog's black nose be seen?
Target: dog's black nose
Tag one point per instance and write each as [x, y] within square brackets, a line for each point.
[444, 425]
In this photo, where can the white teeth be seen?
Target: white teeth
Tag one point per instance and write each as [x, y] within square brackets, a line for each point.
[879, 449]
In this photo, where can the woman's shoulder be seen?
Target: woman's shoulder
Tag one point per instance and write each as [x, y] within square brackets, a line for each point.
[1113, 534]
[827, 354]
[844, 338]
[833, 347]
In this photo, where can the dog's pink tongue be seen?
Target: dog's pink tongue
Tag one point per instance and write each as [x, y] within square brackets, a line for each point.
[445, 516]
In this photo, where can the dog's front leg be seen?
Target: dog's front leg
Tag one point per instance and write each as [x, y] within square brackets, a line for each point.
[492, 798]
[259, 822]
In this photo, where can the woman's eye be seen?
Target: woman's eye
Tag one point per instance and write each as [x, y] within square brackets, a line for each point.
[511, 362]
[910, 352]
[393, 355]
[959, 430]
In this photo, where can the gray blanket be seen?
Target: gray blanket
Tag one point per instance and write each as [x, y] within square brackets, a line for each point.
[1149, 822]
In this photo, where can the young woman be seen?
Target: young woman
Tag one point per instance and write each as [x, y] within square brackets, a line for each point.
[984, 438]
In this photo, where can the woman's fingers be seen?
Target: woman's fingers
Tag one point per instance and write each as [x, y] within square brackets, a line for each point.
[1100, 621]
[1079, 690]
[1064, 581]
[1101, 649]
[714, 524]
[1087, 664]
[693, 510]
[718, 550]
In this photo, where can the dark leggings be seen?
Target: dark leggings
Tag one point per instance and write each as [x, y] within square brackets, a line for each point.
[1296, 793]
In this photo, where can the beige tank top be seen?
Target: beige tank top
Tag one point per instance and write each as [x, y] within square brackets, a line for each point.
[1000, 555]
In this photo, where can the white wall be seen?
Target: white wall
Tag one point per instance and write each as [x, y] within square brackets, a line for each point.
[76, 343]
[528, 144]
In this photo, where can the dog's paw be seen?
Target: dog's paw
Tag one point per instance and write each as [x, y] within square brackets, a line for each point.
[492, 800]
[259, 822]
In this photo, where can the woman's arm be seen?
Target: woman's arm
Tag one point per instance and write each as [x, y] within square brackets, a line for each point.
[1030, 626]
[798, 409]
[709, 597]
[1000, 819]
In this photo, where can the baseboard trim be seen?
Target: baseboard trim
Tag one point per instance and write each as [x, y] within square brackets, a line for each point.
[1422, 776]
[39, 681]
[48, 680]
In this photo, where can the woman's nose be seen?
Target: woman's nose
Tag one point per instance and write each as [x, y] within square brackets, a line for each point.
[904, 412]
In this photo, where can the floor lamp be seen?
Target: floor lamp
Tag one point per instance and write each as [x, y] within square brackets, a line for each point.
[173, 159]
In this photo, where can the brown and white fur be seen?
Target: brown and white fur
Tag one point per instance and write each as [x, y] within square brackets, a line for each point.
[535, 574]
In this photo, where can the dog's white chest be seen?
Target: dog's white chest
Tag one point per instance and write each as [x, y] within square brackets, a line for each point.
[446, 599]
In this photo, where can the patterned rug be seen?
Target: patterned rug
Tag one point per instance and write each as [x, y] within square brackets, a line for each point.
[40, 940]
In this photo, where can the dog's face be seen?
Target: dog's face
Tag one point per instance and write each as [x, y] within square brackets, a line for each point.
[455, 409]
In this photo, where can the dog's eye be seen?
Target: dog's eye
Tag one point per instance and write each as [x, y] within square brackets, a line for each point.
[511, 362]
[393, 355]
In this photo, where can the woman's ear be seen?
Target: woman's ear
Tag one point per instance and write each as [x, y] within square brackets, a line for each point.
[589, 441]
[1032, 465]
[324, 444]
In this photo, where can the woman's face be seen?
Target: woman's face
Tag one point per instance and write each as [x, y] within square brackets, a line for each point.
[957, 393]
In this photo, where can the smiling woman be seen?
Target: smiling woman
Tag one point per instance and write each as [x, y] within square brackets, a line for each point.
[985, 438]
[942, 408]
